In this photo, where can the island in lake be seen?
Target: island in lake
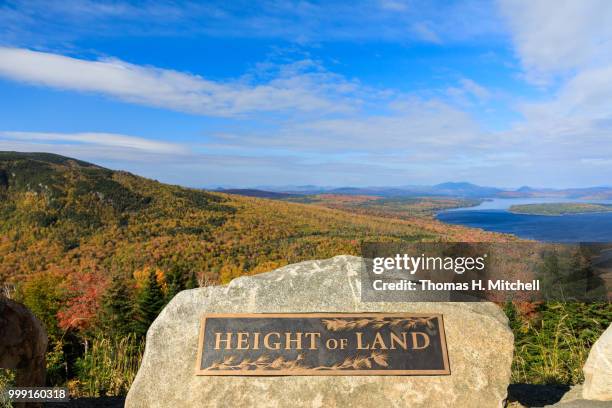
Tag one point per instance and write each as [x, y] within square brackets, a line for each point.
[560, 208]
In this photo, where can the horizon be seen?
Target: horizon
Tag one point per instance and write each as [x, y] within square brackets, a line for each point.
[320, 93]
[280, 187]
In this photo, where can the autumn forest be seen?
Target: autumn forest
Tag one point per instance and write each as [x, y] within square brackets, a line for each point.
[97, 253]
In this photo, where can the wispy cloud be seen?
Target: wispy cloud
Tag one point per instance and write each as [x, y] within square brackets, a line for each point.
[553, 37]
[96, 140]
[400, 137]
[475, 89]
[293, 20]
[413, 127]
[300, 87]
[426, 33]
[309, 124]
[567, 47]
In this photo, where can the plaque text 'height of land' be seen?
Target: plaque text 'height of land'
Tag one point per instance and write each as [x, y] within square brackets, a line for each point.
[322, 344]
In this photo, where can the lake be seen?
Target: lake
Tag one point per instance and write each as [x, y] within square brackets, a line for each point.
[494, 216]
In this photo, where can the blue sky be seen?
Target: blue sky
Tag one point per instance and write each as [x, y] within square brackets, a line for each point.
[248, 93]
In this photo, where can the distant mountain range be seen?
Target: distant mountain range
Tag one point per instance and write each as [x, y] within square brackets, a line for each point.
[253, 192]
[450, 189]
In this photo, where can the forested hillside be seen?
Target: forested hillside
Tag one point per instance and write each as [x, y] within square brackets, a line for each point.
[390, 207]
[68, 214]
[97, 253]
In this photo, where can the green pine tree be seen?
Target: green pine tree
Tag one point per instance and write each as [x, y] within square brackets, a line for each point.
[149, 303]
[117, 310]
[175, 283]
[192, 283]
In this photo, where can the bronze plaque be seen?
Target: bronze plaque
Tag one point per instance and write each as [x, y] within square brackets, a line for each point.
[322, 344]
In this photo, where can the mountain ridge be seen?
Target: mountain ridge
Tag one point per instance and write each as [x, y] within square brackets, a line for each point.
[61, 213]
[447, 189]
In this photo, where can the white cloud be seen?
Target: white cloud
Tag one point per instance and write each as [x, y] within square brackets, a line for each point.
[577, 120]
[367, 135]
[303, 89]
[588, 95]
[554, 36]
[475, 89]
[567, 44]
[468, 91]
[130, 143]
[426, 33]
[416, 127]
[394, 5]
[39, 22]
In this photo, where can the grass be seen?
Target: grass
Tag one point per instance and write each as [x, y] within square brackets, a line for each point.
[7, 379]
[552, 348]
[559, 358]
[108, 367]
[549, 349]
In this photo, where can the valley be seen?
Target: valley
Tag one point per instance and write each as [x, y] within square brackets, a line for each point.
[97, 253]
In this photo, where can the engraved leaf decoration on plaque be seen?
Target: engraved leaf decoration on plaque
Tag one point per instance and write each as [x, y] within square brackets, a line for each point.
[380, 359]
[377, 323]
[264, 363]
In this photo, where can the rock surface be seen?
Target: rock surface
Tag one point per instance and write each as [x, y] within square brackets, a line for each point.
[598, 369]
[23, 343]
[480, 347]
[573, 399]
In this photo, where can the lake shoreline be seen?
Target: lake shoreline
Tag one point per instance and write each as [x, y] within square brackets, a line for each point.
[560, 209]
[494, 216]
